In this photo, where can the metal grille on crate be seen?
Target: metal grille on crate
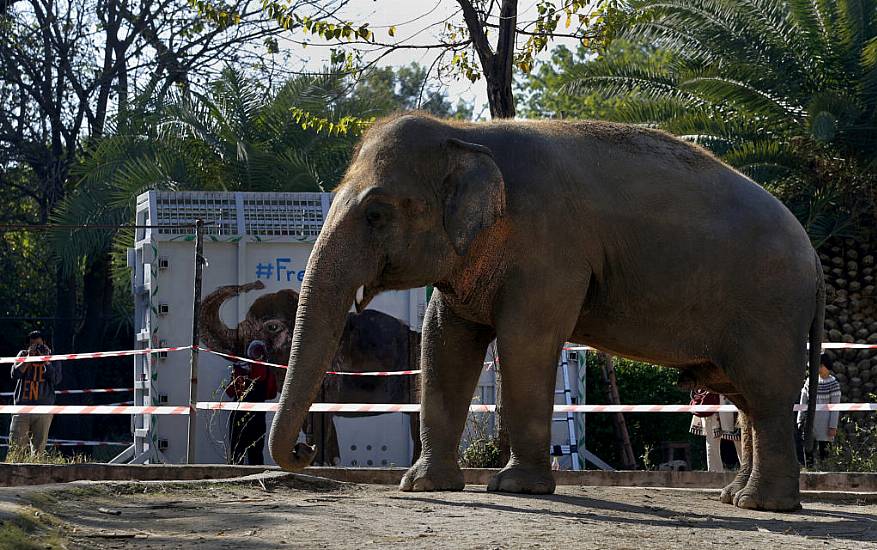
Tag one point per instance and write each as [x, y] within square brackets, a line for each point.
[295, 215]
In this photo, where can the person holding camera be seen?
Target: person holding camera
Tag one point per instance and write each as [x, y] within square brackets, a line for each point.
[35, 384]
[252, 383]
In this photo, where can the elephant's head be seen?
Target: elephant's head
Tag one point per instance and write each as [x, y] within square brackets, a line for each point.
[271, 319]
[415, 198]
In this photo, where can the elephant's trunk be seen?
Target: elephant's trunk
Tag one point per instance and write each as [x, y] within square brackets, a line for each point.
[327, 292]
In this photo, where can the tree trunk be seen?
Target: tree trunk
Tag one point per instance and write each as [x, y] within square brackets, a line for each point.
[622, 438]
[500, 97]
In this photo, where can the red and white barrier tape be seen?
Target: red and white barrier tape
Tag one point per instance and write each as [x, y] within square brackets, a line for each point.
[315, 408]
[89, 409]
[344, 373]
[413, 407]
[844, 345]
[124, 353]
[387, 407]
[90, 355]
[72, 392]
[825, 345]
[75, 443]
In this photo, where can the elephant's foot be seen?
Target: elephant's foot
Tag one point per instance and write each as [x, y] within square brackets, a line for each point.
[531, 480]
[778, 495]
[432, 475]
[734, 487]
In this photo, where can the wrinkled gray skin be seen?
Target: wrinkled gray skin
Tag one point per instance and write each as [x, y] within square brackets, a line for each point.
[620, 237]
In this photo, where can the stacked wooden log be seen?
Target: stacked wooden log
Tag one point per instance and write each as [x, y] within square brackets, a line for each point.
[851, 316]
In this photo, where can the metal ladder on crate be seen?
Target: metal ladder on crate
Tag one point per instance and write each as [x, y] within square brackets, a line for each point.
[578, 456]
[572, 448]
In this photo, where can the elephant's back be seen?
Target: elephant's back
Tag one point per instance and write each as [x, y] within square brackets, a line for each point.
[636, 179]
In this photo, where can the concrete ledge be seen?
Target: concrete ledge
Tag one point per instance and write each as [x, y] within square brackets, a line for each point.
[12, 475]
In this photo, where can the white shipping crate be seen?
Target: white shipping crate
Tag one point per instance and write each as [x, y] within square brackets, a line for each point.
[249, 237]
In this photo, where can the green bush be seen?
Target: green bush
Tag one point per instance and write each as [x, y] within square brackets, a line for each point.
[639, 383]
[481, 453]
[853, 448]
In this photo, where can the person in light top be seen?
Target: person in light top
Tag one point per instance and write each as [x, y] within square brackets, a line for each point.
[824, 422]
[714, 427]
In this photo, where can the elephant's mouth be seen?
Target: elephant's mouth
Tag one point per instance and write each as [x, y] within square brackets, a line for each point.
[364, 296]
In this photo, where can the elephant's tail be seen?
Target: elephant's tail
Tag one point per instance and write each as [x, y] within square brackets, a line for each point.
[815, 340]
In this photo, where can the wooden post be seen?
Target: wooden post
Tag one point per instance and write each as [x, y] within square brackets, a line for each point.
[622, 438]
[191, 433]
[502, 430]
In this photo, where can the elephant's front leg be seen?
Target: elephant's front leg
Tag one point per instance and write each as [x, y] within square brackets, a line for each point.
[452, 356]
[528, 365]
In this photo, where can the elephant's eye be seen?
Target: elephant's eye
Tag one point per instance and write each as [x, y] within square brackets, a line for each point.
[273, 327]
[377, 214]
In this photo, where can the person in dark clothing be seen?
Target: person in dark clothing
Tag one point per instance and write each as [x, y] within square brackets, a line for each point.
[250, 383]
[35, 384]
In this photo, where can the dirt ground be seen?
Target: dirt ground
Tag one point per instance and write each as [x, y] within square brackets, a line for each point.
[273, 510]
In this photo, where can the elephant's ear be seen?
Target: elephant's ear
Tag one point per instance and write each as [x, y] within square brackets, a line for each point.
[475, 193]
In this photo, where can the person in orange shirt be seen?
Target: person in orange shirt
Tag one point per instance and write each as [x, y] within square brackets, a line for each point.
[35, 384]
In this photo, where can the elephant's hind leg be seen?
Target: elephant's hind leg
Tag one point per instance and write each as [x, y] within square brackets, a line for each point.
[769, 380]
[742, 477]
[773, 483]
[452, 356]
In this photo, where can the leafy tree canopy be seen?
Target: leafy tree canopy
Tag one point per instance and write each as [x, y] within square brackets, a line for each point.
[783, 90]
[543, 92]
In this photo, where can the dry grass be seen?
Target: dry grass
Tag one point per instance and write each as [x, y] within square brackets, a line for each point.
[23, 455]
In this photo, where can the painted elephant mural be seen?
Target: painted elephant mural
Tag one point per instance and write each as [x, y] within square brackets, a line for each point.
[371, 341]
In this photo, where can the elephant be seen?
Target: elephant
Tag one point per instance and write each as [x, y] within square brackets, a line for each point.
[372, 341]
[535, 233]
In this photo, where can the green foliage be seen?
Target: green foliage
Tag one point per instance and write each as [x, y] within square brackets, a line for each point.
[542, 93]
[479, 448]
[24, 254]
[344, 31]
[546, 24]
[386, 90]
[783, 90]
[853, 448]
[342, 127]
[853, 454]
[481, 453]
[637, 383]
[238, 136]
[27, 265]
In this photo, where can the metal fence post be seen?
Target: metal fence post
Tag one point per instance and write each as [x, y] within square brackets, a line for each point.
[191, 434]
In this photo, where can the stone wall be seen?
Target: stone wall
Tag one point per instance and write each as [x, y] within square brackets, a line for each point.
[851, 316]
